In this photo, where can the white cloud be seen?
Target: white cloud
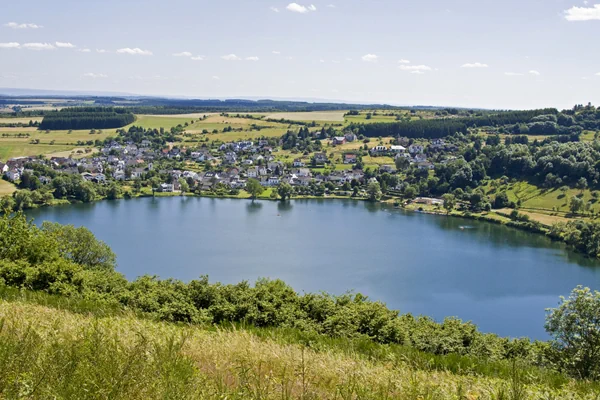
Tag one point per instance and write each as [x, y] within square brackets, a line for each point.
[274, 9]
[231, 57]
[321, 61]
[94, 75]
[84, 50]
[597, 74]
[417, 72]
[10, 45]
[64, 45]
[474, 65]
[135, 51]
[370, 58]
[534, 72]
[253, 58]
[101, 51]
[183, 54]
[421, 68]
[39, 46]
[297, 8]
[403, 61]
[513, 74]
[15, 25]
[198, 58]
[216, 78]
[276, 52]
[583, 13]
[330, 6]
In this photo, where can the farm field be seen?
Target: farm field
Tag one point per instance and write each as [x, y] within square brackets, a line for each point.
[6, 188]
[542, 205]
[328, 116]
[19, 120]
[24, 148]
[51, 142]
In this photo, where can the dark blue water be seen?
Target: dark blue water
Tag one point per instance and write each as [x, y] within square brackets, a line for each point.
[500, 278]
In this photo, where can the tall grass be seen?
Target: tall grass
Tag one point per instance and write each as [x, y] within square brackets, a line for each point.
[50, 353]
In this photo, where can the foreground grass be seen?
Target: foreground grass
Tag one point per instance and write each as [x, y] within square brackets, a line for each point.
[71, 349]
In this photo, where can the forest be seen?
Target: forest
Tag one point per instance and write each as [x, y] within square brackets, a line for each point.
[87, 118]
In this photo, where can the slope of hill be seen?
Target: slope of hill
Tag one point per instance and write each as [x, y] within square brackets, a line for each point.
[51, 353]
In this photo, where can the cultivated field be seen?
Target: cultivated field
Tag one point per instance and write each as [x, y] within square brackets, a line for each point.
[6, 188]
[329, 116]
[20, 120]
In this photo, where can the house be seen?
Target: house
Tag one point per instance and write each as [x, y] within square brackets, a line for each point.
[146, 143]
[273, 181]
[45, 180]
[429, 200]
[321, 158]
[387, 168]
[252, 173]
[230, 158]
[3, 168]
[415, 148]
[248, 161]
[350, 158]
[167, 187]
[339, 179]
[338, 140]
[438, 143]
[298, 163]
[300, 172]
[13, 175]
[397, 149]
[350, 137]
[204, 156]
[420, 157]
[379, 150]
[275, 167]
[425, 165]
[99, 178]
[119, 175]
[137, 173]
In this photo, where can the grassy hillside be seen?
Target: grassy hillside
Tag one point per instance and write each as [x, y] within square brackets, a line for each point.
[46, 352]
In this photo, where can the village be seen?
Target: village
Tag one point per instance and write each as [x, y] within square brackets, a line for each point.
[230, 165]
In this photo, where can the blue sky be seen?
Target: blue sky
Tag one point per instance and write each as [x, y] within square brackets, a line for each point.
[495, 54]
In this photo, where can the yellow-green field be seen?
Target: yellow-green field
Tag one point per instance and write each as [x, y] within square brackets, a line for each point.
[6, 188]
[329, 116]
[546, 206]
[51, 142]
[20, 120]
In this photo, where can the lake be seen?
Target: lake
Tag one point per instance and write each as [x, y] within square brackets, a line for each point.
[500, 278]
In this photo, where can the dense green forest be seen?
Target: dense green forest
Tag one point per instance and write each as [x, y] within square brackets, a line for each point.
[87, 118]
[429, 129]
[532, 122]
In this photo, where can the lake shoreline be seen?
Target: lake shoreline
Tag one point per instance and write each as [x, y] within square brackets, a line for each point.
[500, 219]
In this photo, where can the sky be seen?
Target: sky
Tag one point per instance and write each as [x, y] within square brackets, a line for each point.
[465, 53]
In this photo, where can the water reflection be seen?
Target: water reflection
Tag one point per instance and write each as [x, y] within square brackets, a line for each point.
[254, 206]
[284, 206]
